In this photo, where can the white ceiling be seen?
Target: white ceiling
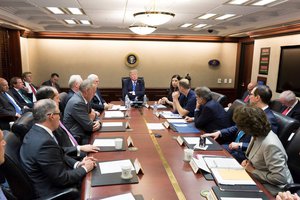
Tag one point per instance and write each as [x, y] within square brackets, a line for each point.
[115, 16]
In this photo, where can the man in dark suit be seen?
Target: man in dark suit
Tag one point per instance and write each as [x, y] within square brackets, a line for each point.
[53, 82]
[236, 140]
[9, 106]
[2, 159]
[291, 105]
[29, 87]
[77, 116]
[98, 103]
[49, 169]
[133, 87]
[209, 114]
[246, 95]
[19, 93]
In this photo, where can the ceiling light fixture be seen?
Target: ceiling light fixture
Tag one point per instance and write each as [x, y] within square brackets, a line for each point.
[238, 2]
[85, 22]
[55, 10]
[70, 21]
[75, 11]
[186, 25]
[206, 16]
[263, 2]
[200, 25]
[226, 16]
[153, 18]
[142, 29]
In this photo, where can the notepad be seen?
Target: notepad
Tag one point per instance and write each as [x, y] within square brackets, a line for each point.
[127, 196]
[112, 124]
[232, 176]
[113, 114]
[114, 166]
[155, 126]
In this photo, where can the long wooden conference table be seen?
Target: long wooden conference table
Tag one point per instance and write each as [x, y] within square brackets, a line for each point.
[166, 176]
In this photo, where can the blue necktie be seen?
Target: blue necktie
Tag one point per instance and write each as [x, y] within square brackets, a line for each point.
[2, 196]
[133, 85]
[239, 136]
[13, 102]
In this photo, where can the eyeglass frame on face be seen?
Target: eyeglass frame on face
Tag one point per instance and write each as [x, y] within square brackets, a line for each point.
[54, 113]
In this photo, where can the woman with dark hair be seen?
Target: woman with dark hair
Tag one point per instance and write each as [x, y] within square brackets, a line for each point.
[266, 157]
[173, 87]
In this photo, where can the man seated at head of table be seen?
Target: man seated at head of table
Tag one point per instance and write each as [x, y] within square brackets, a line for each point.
[234, 140]
[266, 158]
[79, 118]
[209, 114]
[133, 87]
[184, 100]
[64, 137]
[46, 164]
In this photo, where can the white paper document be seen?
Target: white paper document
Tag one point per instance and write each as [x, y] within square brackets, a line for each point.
[118, 107]
[113, 114]
[195, 140]
[112, 124]
[155, 126]
[127, 196]
[201, 164]
[221, 162]
[177, 121]
[114, 166]
[104, 142]
[232, 176]
[170, 115]
[159, 106]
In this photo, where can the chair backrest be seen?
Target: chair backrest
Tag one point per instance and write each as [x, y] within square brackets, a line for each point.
[293, 152]
[233, 106]
[23, 124]
[62, 103]
[275, 105]
[12, 170]
[287, 125]
[221, 98]
[124, 79]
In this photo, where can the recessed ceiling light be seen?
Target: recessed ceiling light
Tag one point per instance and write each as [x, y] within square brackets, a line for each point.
[70, 21]
[226, 16]
[238, 2]
[75, 11]
[200, 25]
[206, 16]
[55, 10]
[263, 2]
[85, 22]
[186, 25]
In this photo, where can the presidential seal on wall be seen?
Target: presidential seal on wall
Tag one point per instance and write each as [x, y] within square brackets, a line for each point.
[131, 60]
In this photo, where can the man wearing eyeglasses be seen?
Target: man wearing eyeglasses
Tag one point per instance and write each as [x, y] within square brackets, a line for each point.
[49, 169]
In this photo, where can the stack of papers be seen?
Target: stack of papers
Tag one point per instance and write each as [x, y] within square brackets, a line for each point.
[155, 126]
[159, 106]
[114, 166]
[127, 196]
[118, 107]
[114, 114]
[177, 121]
[105, 142]
[112, 124]
[170, 115]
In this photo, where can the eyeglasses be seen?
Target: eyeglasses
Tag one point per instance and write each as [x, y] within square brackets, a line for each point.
[55, 113]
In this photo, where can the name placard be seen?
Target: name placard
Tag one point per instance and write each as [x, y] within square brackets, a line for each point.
[194, 165]
[138, 167]
[166, 124]
[179, 140]
[130, 142]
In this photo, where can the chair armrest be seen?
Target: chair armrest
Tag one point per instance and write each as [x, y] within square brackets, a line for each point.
[293, 187]
[70, 193]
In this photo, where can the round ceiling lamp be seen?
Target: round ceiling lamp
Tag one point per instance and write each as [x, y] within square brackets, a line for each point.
[154, 18]
[142, 29]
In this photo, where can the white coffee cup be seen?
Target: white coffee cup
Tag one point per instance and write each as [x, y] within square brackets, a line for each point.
[126, 172]
[118, 143]
[188, 154]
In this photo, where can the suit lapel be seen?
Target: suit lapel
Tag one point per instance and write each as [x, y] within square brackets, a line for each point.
[253, 147]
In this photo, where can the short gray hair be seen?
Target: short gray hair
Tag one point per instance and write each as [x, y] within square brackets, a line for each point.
[86, 84]
[42, 108]
[93, 77]
[288, 95]
[74, 79]
[203, 92]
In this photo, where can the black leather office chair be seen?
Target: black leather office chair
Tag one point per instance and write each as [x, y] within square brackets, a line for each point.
[221, 98]
[62, 98]
[275, 105]
[23, 124]
[233, 106]
[287, 125]
[293, 152]
[123, 79]
[4, 121]
[19, 182]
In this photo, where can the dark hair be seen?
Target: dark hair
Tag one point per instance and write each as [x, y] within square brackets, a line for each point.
[14, 80]
[252, 120]
[172, 89]
[45, 92]
[204, 92]
[54, 74]
[264, 92]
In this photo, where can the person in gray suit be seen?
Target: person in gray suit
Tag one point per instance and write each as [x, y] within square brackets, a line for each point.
[266, 157]
[79, 118]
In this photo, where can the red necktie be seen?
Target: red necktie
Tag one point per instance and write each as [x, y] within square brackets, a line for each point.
[32, 88]
[246, 99]
[286, 111]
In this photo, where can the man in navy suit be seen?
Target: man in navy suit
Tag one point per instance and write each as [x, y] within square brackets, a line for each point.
[246, 95]
[209, 114]
[291, 105]
[237, 141]
[53, 81]
[133, 87]
[19, 93]
[46, 164]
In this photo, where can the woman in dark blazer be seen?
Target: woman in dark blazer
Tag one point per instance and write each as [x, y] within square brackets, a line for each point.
[173, 87]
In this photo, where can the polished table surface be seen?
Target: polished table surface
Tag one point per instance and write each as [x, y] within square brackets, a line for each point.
[166, 175]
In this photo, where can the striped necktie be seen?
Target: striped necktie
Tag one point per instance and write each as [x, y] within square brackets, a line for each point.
[74, 142]
[24, 97]
[285, 112]
[239, 136]
[13, 102]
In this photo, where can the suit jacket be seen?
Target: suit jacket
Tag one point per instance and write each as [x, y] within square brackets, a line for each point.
[269, 159]
[139, 89]
[211, 117]
[18, 97]
[95, 102]
[6, 108]
[232, 132]
[49, 169]
[294, 112]
[49, 83]
[246, 93]
[76, 117]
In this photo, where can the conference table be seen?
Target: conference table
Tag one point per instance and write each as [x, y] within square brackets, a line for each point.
[165, 174]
